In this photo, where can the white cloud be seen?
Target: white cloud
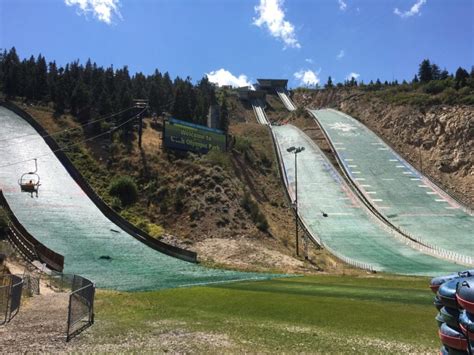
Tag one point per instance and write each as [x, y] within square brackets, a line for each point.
[307, 77]
[342, 5]
[103, 10]
[225, 77]
[414, 10]
[341, 54]
[271, 15]
[309, 60]
[353, 75]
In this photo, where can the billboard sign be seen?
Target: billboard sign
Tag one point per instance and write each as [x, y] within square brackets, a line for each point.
[188, 136]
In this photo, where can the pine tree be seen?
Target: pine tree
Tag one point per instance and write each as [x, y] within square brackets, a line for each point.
[415, 79]
[425, 72]
[460, 77]
[329, 83]
[11, 69]
[41, 82]
[435, 72]
[224, 111]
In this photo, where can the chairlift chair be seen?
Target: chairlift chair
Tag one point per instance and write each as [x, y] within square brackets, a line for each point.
[30, 182]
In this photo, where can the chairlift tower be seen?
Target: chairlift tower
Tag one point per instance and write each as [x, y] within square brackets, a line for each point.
[140, 104]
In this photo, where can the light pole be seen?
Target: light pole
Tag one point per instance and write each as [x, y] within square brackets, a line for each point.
[296, 150]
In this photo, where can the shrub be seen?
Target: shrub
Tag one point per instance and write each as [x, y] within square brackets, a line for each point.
[449, 96]
[434, 87]
[252, 208]
[125, 189]
[155, 230]
[3, 221]
[242, 144]
[216, 157]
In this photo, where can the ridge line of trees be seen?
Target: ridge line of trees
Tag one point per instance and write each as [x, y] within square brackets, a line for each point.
[89, 91]
[429, 74]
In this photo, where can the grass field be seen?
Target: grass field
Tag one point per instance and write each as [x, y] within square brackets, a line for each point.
[369, 314]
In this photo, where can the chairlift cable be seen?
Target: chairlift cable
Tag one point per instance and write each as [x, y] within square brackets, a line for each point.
[77, 143]
[67, 129]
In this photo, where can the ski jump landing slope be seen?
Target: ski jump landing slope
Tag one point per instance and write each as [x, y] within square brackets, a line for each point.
[67, 221]
[349, 229]
[399, 192]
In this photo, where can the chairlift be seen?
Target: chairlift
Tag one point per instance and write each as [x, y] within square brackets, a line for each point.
[30, 182]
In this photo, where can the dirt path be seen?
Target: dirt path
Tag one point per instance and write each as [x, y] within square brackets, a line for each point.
[39, 326]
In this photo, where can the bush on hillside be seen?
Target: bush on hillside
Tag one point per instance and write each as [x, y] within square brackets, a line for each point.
[3, 221]
[124, 188]
[252, 208]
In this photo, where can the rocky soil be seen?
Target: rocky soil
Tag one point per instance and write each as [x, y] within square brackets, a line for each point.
[438, 140]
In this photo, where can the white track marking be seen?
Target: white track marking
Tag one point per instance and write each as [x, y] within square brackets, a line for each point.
[360, 179]
[400, 166]
[365, 185]
[393, 160]
[415, 179]
[440, 200]
[408, 172]
[377, 200]
[382, 148]
[388, 179]
[431, 192]
[349, 159]
[355, 172]
[352, 166]
[371, 192]
[425, 186]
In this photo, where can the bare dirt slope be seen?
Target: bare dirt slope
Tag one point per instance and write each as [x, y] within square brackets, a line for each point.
[438, 140]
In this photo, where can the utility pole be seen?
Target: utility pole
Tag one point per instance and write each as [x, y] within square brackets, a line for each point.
[296, 150]
[140, 104]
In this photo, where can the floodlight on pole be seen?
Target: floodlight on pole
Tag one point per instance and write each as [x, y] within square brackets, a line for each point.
[296, 150]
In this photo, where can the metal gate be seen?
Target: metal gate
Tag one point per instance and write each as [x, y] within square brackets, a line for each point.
[81, 306]
[11, 287]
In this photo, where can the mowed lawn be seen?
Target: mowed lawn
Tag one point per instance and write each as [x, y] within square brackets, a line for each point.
[301, 314]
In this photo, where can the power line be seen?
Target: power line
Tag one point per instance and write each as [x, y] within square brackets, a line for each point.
[67, 129]
[77, 143]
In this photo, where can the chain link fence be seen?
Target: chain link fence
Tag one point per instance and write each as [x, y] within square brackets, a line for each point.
[11, 287]
[81, 306]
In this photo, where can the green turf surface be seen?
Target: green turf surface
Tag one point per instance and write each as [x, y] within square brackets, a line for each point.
[348, 229]
[372, 314]
[67, 221]
[403, 195]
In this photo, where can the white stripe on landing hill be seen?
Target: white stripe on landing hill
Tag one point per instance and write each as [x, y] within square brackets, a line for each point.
[431, 192]
[349, 159]
[359, 179]
[408, 172]
[382, 148]
[393, 160]
[377, 200]
[355, 172]
[352, 166]
[371, 192]
[415, 179]
[451, 208]
[365, 185]
[388, 179]
[440, 200]
[423, 186]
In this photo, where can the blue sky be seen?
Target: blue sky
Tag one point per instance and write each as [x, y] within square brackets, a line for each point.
[238, 41]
